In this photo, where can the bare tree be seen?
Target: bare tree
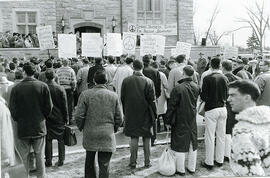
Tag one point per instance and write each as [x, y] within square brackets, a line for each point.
[212, 20]
[258, 20]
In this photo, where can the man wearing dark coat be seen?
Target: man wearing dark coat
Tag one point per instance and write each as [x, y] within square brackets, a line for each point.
[93, 70]
[56, 120]
[139, 107]
[181, 115]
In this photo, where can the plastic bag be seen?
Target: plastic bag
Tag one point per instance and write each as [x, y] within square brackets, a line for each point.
[166, 163]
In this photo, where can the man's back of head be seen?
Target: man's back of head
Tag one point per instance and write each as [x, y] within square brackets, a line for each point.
[227, 66]
[188, 70]
[111, 59]
[129, 60]
[29, 68]
[65, 62]
[100, 77]
[180, 58]
[146, 60]
[98, 61]
[215, 63]
[137, 65]
[50, 74]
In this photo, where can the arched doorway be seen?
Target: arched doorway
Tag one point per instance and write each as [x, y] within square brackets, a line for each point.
[87, 27]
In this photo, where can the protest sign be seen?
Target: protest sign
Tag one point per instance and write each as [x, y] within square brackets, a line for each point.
[105, 51]
[152, 44]
[114, 44]
[67, 45]
[129, 43]
[173, 52]
[45, 37]
[183, 48]
[160, 45]
[157, 29]
[91, 45]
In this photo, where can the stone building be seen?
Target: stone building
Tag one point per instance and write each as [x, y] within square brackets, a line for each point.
[67, 16]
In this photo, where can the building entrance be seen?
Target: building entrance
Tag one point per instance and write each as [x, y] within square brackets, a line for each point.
[87, 29]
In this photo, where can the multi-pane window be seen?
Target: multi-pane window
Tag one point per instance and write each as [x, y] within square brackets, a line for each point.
[26, 22]
[149, 11]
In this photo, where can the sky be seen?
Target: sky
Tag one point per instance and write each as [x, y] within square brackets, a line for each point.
[230, 11]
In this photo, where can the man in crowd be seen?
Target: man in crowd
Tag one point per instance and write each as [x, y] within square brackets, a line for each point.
[139, 106]
[181, 115]
[56, 121]
[250, 139]
[99, 120]
[214, 94]
[49, 66]
[154, 75]
[30, 105]
[263, 81]
[11, 72]
[92, 71]
[240, 70]
[82, 76]
[67, 79]
[227, 71]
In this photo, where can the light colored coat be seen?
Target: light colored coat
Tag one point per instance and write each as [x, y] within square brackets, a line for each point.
[82, 79]
[251, 142]
[162, 100]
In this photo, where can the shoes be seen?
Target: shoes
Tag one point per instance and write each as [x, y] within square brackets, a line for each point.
[148, 166]
[180, 173]
[48, 164]
[209, 167]
[132, 166]
[153, 142]
[218, 164]
[59, 163]
[226, 159]
[190, 172]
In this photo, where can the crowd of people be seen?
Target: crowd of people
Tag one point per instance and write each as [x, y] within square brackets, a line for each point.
[17, 40]
[99, 95]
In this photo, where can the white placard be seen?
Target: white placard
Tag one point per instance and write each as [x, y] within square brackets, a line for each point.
[67, 45]
[152, 44]
[91, 45]
[45, 37]
[114, 44]
[173, 52]
[183, 48]
[156, 29]
[129, 43]
[105, 51]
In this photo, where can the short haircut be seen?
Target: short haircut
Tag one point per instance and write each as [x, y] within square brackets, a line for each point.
[18, 74]
[246, 87]
[15, 60]
[180, 58]
[85, 61]
[49, 64]
[29, 68]
[65, 61]
[137, 65]
[50, 74]
[12, 66]
[154, 65]
[129, 60]
[245, 61]
[227, 65]
[100, 77]
[146, 59]
[98, 60]
[111, 59]
[188, 70]
[215, 63]
[162, 62]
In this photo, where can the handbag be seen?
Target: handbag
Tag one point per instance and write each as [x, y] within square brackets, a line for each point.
[70, 136]
[167, 162]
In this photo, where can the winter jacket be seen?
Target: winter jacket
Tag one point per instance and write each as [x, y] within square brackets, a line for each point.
[251, 142]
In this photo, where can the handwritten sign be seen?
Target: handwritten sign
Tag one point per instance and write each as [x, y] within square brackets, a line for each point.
[91, 45]
[67, 45]
[167, 29]
[160, 44]
[152, 44]
[173, 52]
[183, 48]
[45, 37]
[129, 43]
[114, 44]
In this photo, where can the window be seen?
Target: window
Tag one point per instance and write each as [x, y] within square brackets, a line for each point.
[149, 11]
[26, 22]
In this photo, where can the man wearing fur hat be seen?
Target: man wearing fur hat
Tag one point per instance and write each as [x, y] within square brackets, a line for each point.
[251, 135]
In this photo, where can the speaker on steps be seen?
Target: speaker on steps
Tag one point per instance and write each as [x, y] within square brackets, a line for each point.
[203, 42]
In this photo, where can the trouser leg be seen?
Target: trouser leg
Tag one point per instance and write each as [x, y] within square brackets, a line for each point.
[90, 169]
[146, 149]
[70, 100]
[48, 150]
[210, 128]
[39, 149]
[24, 146]
[61, 150]
[180, 162]
[220, 135]
[192, 158]
[228, 142]
[133, 151]
[104, 164]
[154, 135]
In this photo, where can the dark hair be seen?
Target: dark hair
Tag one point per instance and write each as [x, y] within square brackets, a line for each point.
[12, 66]
[98, 60]
[215, 63]
[162, 62]
[246, 87]
[180, 58]
[146, 60]
[154, 65]
[189, 71]
[50, 74]
[29, 68]
[227, 65]
[100, 77]
[245, 60]
[137, 65]
[18, 74]
[111, 59]
[49, 64]
[15, 60]
[129, 60]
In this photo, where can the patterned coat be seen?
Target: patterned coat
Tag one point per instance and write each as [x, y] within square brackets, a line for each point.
[251, 142]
